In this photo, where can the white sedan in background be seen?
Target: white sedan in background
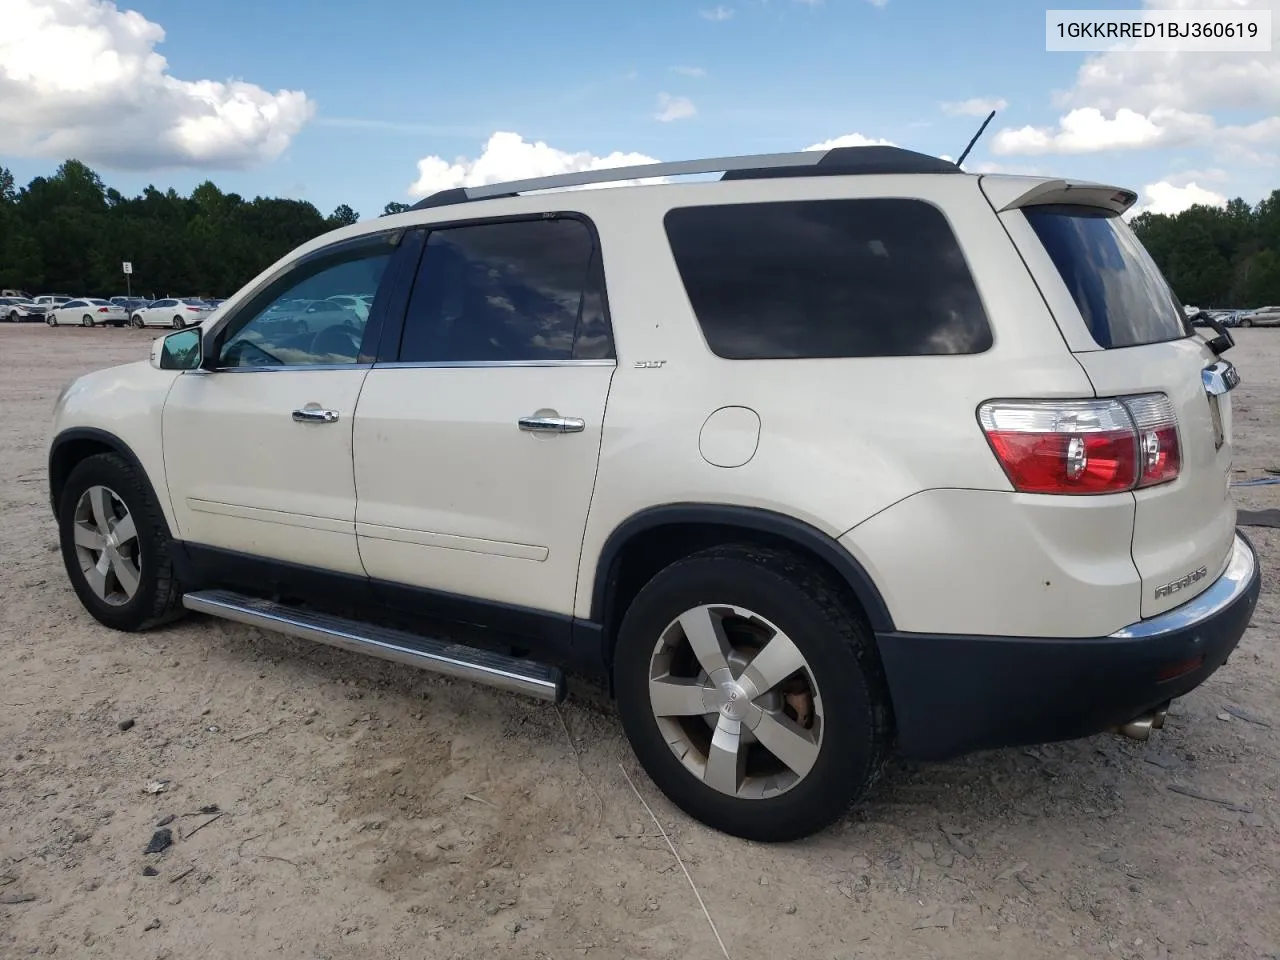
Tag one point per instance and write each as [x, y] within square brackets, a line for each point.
[173, 312]
[86, 313]
[357, 304]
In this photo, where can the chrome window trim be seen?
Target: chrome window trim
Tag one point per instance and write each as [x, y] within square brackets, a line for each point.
[283, 368]
[485, 364]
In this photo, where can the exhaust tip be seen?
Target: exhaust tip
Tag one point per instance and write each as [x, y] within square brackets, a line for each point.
[1157, 718]
[1138, 729]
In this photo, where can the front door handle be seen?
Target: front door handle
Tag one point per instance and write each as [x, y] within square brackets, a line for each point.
[537, 424]
[314, 414]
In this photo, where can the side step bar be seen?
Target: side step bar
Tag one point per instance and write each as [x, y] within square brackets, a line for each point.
[428, 653]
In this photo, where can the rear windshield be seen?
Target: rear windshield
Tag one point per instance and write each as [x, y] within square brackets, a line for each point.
[1123, 297]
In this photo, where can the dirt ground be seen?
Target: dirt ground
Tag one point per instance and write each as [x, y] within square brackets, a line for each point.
[369, 810]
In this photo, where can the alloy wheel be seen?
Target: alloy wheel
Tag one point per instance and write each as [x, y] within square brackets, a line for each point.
[736, 701]
[106, 541]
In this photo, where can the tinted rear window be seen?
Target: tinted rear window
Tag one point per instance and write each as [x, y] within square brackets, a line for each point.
[1123, 297]
[827, 278]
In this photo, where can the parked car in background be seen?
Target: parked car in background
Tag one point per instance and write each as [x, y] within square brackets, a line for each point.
[17, 309]
[172, 312]
[52, 299]
[134, 304]
[87, 312]
[1262, 317]
[359, 305]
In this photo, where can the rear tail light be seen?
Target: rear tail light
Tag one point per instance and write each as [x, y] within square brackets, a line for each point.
[196, 309]
[1159, 456]
[104, 309]
[1084, 446]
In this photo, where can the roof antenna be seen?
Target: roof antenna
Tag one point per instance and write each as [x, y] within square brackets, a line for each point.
[990, 117]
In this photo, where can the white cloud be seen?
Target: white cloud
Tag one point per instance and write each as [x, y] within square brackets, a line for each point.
[717, 14]
[1167, 197]
[850, 140]
[674, 108]
[1135, 99]
[1089, 130]
[1186, 177]
[973, 107]
[878, 3]
[689, 71]
[988, 166]
[82, 78]
[508, 156]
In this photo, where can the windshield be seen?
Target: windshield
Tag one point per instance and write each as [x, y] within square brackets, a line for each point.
[1123, 297]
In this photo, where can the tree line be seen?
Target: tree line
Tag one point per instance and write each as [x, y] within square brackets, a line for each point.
[1218, 256]
[69, 233]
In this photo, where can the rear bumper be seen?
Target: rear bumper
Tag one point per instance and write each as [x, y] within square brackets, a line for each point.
[955, 694]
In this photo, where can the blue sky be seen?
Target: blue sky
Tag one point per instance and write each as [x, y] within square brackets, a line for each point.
[381, 84]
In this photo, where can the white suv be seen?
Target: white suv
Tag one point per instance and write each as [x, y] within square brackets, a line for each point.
[841, 452]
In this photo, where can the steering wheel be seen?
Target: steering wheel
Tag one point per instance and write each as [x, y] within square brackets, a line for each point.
[341, 340]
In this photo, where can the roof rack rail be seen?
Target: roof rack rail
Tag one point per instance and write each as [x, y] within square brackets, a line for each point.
[838, 161]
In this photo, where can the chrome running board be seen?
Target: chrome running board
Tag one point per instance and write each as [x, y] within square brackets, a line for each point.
[427, 653]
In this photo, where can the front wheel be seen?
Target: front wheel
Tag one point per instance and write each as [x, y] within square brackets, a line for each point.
[1246, 323]
[51, 320]
[752, 693]
[177, 323]
[115, 545]
[13, 316]
[136, 320]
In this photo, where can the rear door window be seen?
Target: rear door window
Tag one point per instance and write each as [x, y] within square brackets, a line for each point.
[874, 277]
[1121, 294]
[513, 291]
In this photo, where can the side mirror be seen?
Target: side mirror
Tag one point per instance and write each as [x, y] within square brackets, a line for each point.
[178, 351]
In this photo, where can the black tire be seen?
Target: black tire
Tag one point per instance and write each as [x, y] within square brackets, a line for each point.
[159, 595]
[1246, 323]
[13, 316]
[86, 321]
[51, 320]
[811, 608]
[136, 321]
[177, 323]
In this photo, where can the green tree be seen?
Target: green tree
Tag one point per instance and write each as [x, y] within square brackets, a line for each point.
[343, 216]
[394, 207]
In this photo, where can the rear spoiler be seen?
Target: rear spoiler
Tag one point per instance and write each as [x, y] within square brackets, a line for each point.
[1011, 193]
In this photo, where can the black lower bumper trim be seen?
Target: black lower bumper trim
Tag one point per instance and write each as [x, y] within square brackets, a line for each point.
[956, 694]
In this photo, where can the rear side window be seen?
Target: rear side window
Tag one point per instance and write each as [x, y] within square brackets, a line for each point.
[508, 292]
[1123, 297]
[827, 278]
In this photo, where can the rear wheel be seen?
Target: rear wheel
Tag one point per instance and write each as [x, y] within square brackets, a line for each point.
[86, 321]
[115, 545]
[752, 693]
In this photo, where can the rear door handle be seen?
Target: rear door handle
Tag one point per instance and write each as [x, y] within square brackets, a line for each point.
[312, 414]
[552, 424]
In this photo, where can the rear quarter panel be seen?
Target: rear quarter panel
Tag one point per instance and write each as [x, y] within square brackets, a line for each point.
[840, 440]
